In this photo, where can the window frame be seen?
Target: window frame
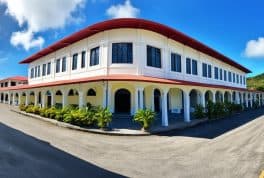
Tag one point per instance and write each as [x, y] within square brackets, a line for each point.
[118, 55]
[93, 62]
[157, 61]
[176, 60]
[74, 61]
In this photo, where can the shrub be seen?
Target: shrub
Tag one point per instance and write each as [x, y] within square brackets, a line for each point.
[145, 117]
[42, 112]
[22, 107]
[61, 112]
[36, 109]
[209, 108]
[228, 108]
[218, 110]
[199, 111]
[29, 109]
[103, 117]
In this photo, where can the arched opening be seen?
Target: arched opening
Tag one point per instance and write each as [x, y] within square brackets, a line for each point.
[194, 99]
[58, 99]
[175, 100]
[157, 101]
[227, 97]
[48, 99]
[234, 97]
[39, 98]
[23, 98]
[2, 97]
[218, 97]
[73, 98]
[31, 98]
[208, 96]
[91, 97]
[6, 98]
[122, 101]
[16, 98]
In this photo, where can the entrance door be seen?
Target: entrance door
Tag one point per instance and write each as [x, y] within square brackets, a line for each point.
[122, 101]
[49, 101]
[157, 100]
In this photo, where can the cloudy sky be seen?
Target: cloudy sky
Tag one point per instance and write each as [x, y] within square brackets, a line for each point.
[234, 28]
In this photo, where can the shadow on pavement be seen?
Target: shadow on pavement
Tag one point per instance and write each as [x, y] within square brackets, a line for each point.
[215, 128]
[24, 156]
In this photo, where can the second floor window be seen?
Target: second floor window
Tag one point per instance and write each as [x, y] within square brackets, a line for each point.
[153, 57]
[57, 65]
[122, 53]
[225, 75]
[83, 59]
[188, 65]
[221, 74]
[74, 61]
[204, 69]
[216, 72]
[229, 77]
[63, 67]
[48, 68]
[194, 67]
[209, 71]
[32, 73]
[38, 71]
[44, 68]
[175, 62]
[94, 56]
[234, 78]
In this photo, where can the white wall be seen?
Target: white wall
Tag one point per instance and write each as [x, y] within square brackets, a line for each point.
[140, 39]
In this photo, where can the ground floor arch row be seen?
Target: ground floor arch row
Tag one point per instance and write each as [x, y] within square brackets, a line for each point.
[227, 96]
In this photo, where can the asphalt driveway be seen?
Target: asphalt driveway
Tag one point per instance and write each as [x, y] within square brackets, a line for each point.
[232, 147]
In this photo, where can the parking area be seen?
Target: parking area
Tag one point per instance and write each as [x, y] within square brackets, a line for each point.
[232, 147]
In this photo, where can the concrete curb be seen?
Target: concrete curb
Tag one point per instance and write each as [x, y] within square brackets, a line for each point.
[114, 132]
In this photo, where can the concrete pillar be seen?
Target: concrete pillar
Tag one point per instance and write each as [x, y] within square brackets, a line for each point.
[251, 100]
[109, 96]
[152, 100]
[186, 98]
[36, 99]
[104, 88]
[9, 98]
[26, 102]
[246, 98]
[259, 99]
[141, 98]
[203, 99]
[237, 98]
[64, 98]
[164, 102]
[43, 100]
[81, 99]
[214, 98]
[19, 99]
[136, 95]
[13, 100]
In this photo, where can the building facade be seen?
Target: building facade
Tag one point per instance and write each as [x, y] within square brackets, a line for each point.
[131, 64]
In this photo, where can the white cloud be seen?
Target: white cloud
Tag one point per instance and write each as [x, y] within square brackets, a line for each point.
[255, 48]
[39, 16]
[126, 10]
[26, 39]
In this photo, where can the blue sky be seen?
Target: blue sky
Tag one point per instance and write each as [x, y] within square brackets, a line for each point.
[232, 28]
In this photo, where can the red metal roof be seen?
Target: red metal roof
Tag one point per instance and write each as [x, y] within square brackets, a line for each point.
[138, 24]
[134, 78]
[16, 78]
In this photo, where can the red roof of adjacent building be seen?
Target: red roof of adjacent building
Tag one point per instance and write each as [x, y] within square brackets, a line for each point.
[137, 24]
[134, 78]
[16, 78]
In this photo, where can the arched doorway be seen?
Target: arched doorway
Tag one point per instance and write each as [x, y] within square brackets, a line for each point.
[218, 97]
[48, 97]
[122, 101]
[208, 96]
[157, 101]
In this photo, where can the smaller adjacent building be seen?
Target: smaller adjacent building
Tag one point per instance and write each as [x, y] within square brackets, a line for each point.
[13, 81]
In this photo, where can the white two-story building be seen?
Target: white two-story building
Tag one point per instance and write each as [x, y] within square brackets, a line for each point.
[129, 64]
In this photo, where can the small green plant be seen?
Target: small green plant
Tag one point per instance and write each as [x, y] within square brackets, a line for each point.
[209, 109]
[145, 117]
[29, 109]
[22, 107]
[103, 117]
[199, 111]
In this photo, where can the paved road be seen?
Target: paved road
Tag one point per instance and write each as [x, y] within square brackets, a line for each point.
[232, 147]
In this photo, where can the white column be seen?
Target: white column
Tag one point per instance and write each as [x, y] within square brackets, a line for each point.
[9, 98]
[81, 99]
[203, 98]
[259, 99]
[43, 99]
[186, 99]
[246, 99]
[136, 100]
[165, 121]
[64, 98]
[152, 100]
[109, 95]
[26, 102]
[104, 88]
[141, 98]
[36, 99]
[237, 98]
[214, 98]
[19, 98]
[13, 99]
[251, 100]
